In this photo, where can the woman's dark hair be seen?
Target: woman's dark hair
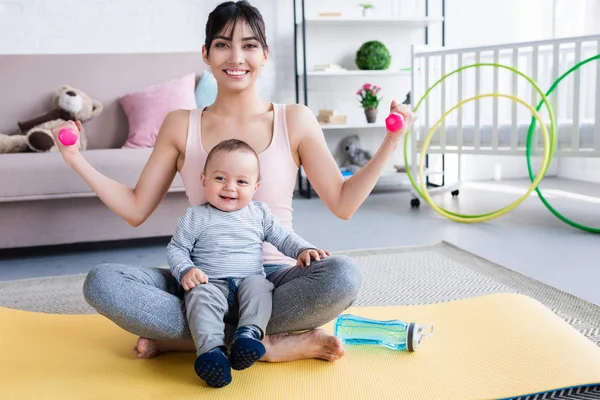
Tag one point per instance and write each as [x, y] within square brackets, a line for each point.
[227, 14]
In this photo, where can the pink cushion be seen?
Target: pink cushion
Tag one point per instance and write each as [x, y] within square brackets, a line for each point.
[147, 108]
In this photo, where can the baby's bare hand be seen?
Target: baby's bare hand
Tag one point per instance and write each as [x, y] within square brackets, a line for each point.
[193, 278]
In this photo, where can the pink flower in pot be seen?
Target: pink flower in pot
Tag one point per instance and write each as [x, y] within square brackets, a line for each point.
[369, 100]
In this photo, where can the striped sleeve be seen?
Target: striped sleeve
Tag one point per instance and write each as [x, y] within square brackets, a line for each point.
[180, 247]
[285, 241]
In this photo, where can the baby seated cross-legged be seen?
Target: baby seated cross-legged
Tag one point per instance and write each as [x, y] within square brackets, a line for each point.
[216, 253]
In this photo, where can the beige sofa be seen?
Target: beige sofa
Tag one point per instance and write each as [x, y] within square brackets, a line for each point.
[44, 202]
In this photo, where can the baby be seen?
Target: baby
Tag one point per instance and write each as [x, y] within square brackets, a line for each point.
[216, 254]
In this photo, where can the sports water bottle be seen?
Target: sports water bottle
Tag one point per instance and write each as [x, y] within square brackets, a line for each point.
[394, 334]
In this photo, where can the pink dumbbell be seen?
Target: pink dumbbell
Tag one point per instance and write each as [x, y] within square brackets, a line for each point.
[394, 122]
[67, 137]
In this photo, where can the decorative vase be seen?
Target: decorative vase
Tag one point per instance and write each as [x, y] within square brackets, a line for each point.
[371, 114]
[366, 12]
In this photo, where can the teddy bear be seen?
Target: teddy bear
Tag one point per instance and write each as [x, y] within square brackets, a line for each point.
[355, 156]
[36, 134]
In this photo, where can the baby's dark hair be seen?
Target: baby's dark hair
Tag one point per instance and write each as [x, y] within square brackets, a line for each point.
[227, 14]
[231, 145]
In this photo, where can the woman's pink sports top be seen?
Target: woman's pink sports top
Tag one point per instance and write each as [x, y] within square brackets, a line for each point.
[277, 167]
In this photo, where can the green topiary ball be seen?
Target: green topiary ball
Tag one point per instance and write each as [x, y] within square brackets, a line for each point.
[373, 55]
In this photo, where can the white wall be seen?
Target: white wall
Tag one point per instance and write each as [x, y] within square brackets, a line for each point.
[582, 169]
[108, 26]
[100, 26]
[484, 22]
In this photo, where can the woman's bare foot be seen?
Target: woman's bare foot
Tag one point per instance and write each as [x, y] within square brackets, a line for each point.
[280, 347]
[148, 348]
[311, 344]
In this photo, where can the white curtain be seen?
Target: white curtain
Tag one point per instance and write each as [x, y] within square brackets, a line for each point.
[592, 18]
[576, 17]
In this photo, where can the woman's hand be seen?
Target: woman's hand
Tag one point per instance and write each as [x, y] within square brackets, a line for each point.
[342, 197]
[68, 152]
[409, 119]
[306, 256]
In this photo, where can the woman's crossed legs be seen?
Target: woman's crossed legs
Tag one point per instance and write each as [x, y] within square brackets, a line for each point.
[148, 302]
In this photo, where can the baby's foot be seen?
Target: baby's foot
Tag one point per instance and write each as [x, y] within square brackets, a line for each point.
[213, 368]
[246, 347]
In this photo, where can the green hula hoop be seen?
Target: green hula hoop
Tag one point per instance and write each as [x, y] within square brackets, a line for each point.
[529, 139]
[443, 78]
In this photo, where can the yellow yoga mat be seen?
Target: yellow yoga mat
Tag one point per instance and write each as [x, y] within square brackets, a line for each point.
[494, 346]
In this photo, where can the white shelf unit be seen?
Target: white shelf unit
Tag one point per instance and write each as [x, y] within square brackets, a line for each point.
[407, 22]
[375, 125]
[359, 27]
[358, 72]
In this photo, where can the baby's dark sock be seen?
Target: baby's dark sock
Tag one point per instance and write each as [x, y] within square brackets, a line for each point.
[213, 367]
[246, 347]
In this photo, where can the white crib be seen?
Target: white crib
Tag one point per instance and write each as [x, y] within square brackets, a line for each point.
[498, 126]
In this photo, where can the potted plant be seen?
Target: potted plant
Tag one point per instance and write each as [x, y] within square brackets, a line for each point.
[369, 100]
[373, 55]
[366, 9]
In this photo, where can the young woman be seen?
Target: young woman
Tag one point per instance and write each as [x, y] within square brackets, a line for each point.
[148, 301]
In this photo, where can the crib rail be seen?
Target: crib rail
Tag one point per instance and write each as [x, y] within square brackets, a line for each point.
[498, 125]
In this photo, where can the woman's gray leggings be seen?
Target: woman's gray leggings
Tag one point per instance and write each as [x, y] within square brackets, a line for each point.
[148, 302]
